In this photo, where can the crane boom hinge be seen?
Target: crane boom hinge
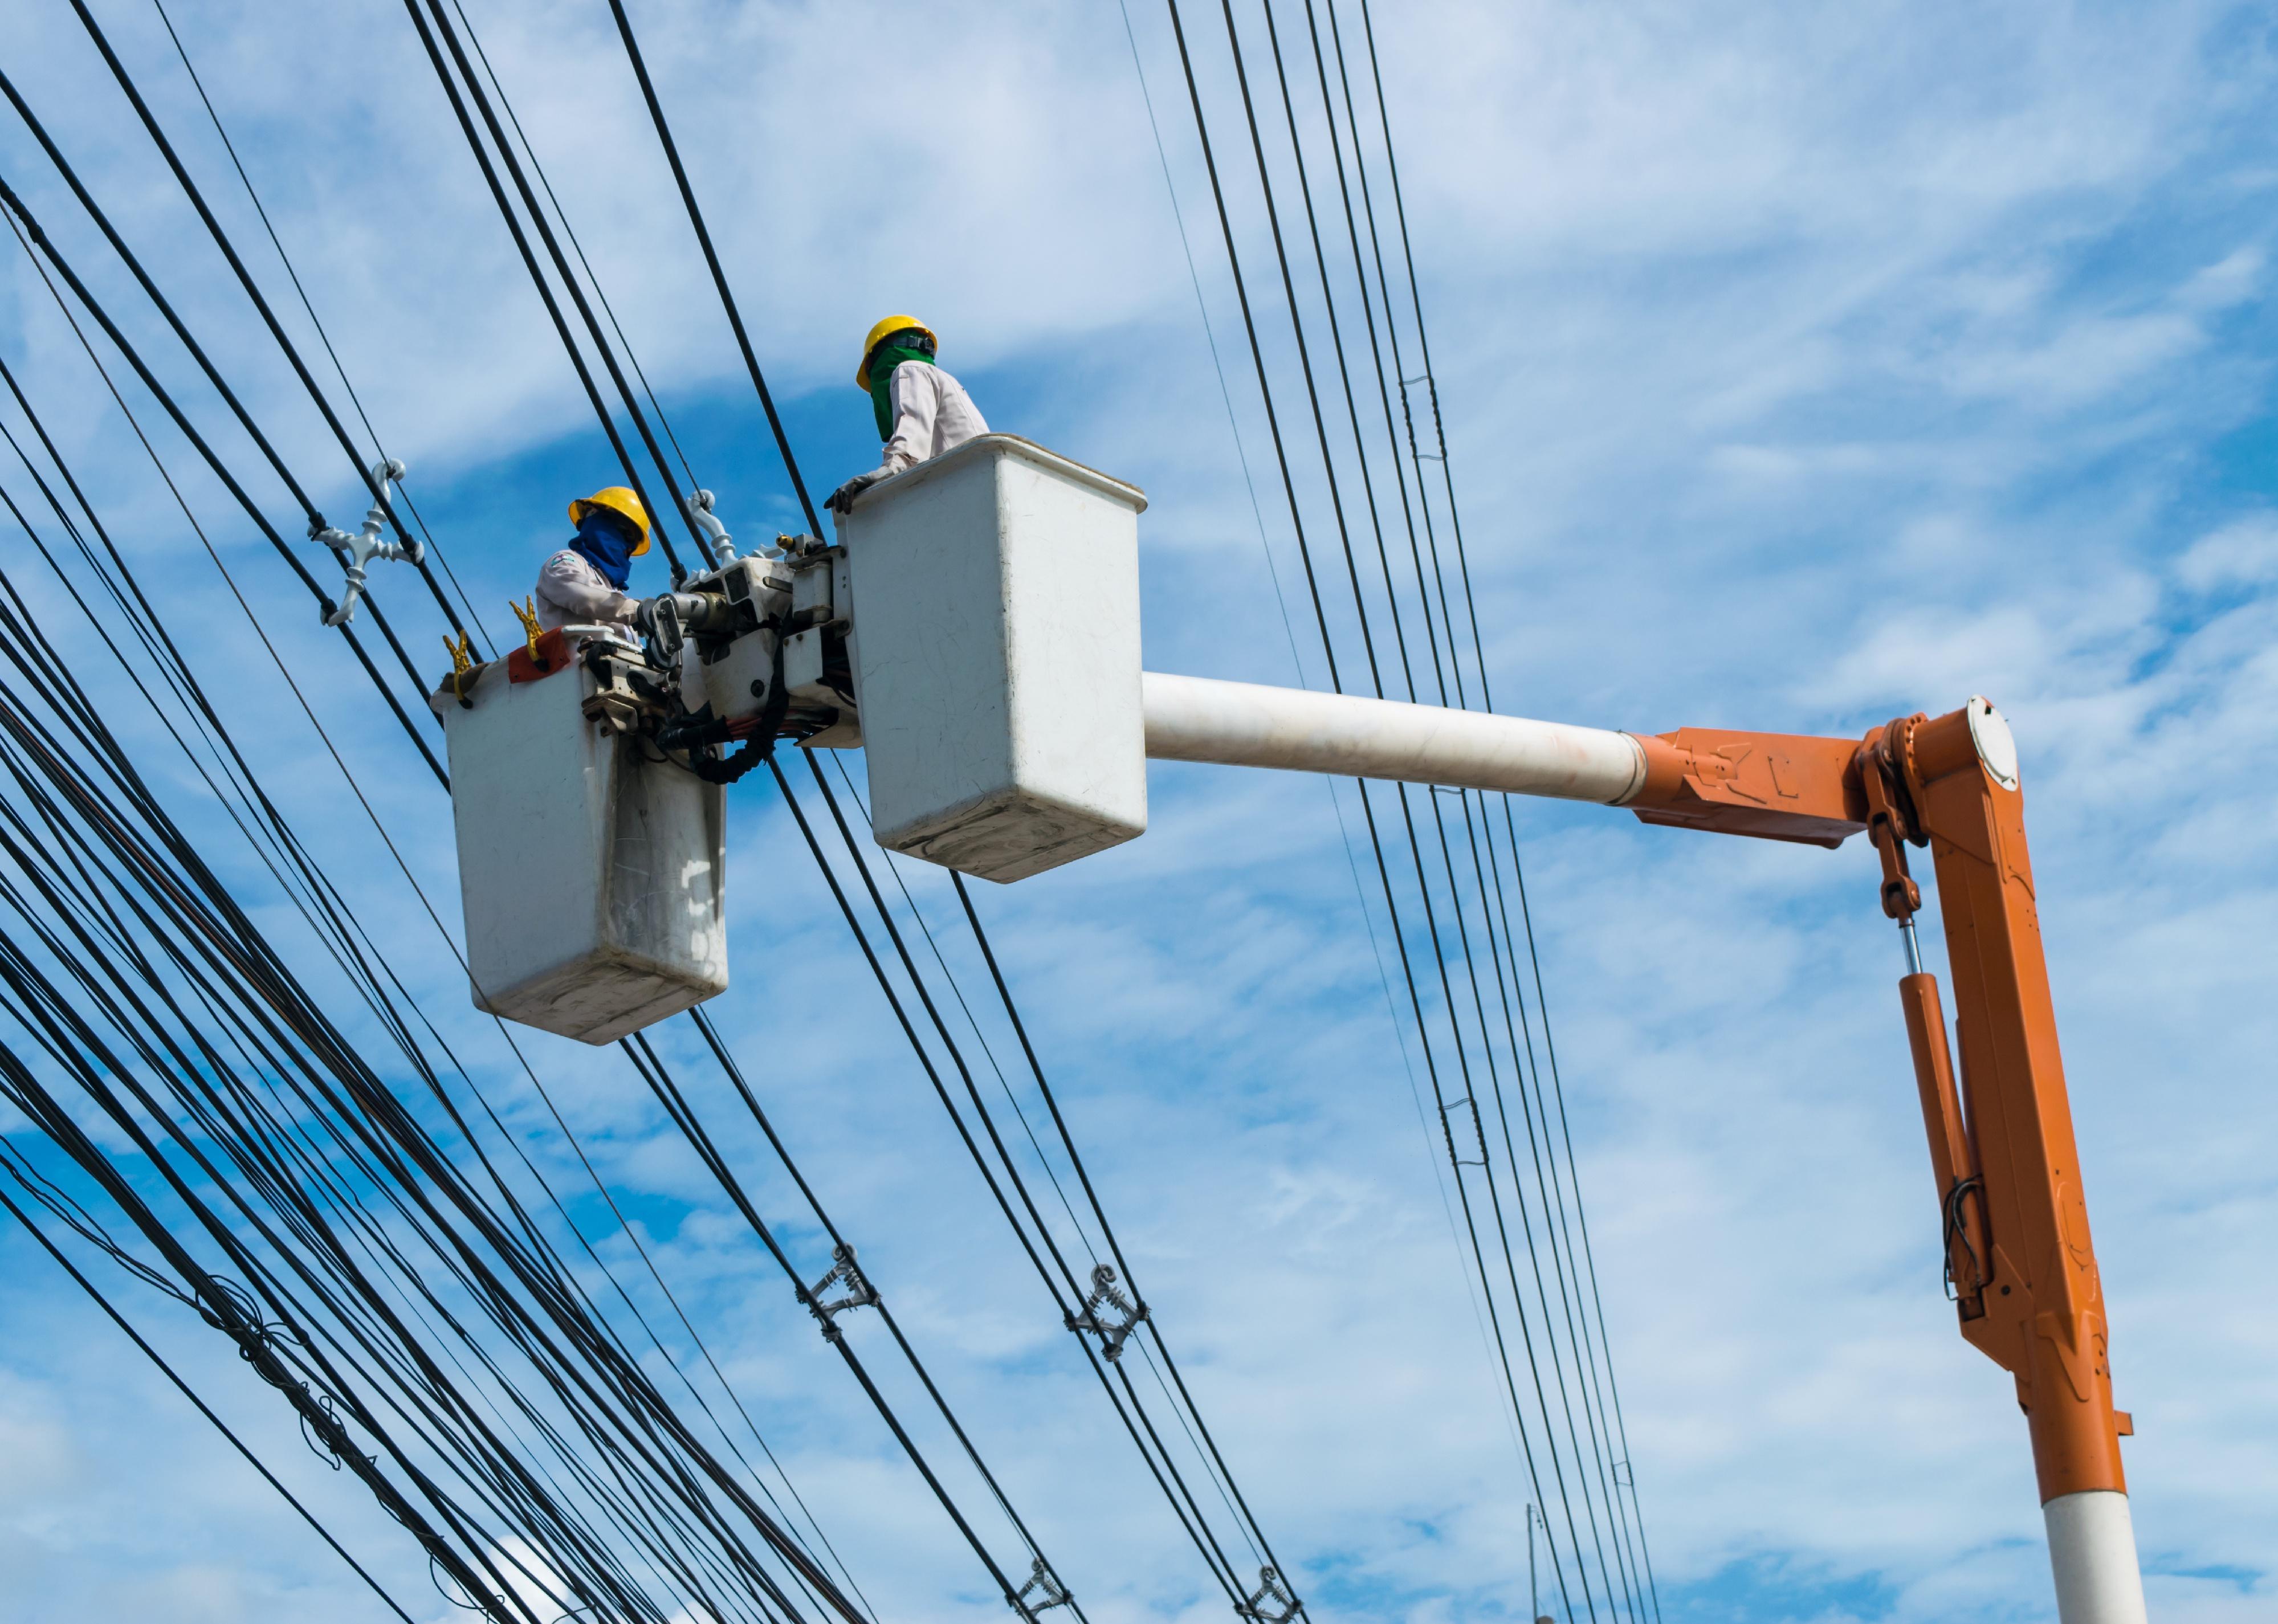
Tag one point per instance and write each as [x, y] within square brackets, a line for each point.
[860, 1292]
[1104, 1295]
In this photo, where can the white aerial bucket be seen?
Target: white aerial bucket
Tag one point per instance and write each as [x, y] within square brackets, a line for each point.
[590, 872]
[996, 601]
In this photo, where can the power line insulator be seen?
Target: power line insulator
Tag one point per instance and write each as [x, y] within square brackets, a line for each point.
[1049, 1591]
[1104, 1295]
[860, 1292]
[1270, 1589]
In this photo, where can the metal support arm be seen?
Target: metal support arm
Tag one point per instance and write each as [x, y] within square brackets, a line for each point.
[2020, 1269]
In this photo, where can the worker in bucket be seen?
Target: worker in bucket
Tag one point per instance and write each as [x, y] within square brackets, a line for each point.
[921, 410]
[583, 585]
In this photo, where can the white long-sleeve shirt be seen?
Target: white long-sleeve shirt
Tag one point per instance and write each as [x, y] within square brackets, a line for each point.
[571, 592]
[932, 414]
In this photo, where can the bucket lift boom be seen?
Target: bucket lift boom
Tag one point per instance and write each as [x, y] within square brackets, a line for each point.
[2019, 1262]
[977, 631]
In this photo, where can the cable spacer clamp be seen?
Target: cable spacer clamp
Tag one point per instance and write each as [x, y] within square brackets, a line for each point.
[1105, 1295]
[860, 1292]
[1049, 1591]
[354, 551]
[1270, 1588]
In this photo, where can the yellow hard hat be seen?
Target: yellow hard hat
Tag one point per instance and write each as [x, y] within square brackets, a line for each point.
[886, 329]
[619, 500]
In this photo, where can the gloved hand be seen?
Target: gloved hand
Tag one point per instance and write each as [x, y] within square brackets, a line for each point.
[843, 498]
[644, 616]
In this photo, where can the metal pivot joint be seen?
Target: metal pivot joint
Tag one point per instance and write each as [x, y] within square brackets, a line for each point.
[1270, 1589]
[860, 1292]
[354, 551]
[1048, 1590]
[1113, 1334]
[699, 504]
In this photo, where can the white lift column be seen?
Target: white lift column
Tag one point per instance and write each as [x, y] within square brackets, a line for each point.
[1242, 724]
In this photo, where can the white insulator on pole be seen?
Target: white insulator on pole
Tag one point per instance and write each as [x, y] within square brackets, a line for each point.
[2092, 1550]
[1240, 724]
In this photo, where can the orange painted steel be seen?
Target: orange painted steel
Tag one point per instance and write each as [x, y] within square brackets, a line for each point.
[2015, 1219]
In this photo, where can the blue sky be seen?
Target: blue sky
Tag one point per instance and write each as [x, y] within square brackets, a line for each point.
[1802, 368]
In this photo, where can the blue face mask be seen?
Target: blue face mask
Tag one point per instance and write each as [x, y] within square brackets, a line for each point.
[606, 547]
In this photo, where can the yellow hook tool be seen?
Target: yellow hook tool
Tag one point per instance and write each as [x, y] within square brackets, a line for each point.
[462, 661]
[526, 612]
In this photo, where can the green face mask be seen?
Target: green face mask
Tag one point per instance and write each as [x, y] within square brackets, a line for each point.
[883, 360]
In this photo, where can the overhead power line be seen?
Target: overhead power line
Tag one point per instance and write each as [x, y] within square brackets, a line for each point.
[1572, 1424]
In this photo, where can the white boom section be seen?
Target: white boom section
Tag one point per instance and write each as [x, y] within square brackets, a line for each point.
[1240, 724]
[2093, 1548]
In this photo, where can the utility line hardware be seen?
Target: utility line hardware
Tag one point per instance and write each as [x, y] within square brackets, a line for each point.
[1479, 1129]
[860, 1292]
[1049, 1591]
[354, 551]
[699, 504]
[1106, 1294]
[1270, 1589]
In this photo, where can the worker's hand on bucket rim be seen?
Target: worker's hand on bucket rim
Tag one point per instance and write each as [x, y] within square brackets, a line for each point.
[843, 498]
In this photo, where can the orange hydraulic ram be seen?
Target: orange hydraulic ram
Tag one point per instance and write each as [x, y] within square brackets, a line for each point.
[2014, 1220]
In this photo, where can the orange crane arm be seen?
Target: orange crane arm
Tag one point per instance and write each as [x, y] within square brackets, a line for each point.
[2021, 1267]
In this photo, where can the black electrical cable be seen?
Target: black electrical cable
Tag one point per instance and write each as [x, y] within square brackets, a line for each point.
[21, 219]
[1400, 208]
[214, 726]
[1297, 520]
[184, 1388]
[1470, 598]
[538, 281]
[197, 352]
[653, 447]
[729, 303]
[601, 293]
[711, 260]
[377, 486]
[308, 305]
[1206, 1540]
[514, 167]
